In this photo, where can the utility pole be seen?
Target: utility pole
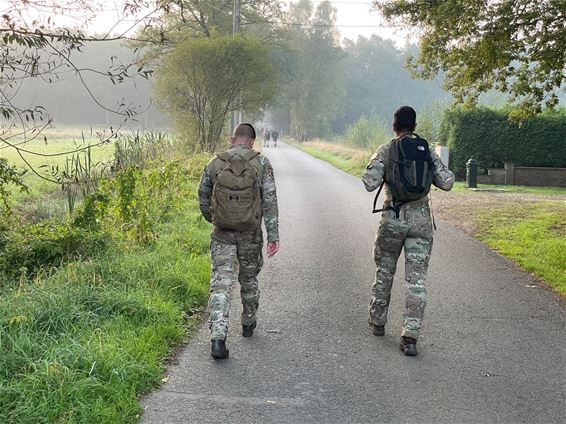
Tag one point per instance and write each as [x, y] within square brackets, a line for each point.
[235, 25]
[236, 17]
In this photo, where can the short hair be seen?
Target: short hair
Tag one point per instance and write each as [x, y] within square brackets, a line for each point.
[404, 118]
[244, 130]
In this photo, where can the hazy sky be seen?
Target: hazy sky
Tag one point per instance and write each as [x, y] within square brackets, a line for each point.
[354, 18]
[357, 17]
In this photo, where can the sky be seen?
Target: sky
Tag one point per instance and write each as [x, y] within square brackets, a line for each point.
[354, 18]
[357, 17]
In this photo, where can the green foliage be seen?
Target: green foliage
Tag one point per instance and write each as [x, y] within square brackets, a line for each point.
[81, 343]
[45, 245]
[205, 79]
[136, 200]
[368, 132]
[489, 137]
[141, 148]
[9, 176]
[515, 47]
[532, 234]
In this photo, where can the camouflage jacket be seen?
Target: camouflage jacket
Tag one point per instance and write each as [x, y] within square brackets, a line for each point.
[443, 178]
[266, 182]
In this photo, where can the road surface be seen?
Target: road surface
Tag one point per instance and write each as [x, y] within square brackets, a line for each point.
[493, 347]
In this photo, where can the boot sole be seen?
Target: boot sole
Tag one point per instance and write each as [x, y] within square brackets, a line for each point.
[378, 331]
[220, 355]
[249, 333]
[408, 352]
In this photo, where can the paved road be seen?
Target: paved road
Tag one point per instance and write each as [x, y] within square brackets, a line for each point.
[493, 349]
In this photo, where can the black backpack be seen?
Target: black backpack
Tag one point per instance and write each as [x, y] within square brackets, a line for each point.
[408, 171]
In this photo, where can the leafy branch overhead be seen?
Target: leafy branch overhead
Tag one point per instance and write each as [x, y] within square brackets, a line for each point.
[513, 46]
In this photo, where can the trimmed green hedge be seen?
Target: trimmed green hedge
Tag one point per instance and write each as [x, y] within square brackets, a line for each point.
[489, 137]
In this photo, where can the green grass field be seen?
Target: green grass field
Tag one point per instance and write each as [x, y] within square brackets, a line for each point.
[43, 164]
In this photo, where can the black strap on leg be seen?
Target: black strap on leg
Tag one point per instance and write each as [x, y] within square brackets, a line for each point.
[396, 206]
[375, 200]
[431, 211]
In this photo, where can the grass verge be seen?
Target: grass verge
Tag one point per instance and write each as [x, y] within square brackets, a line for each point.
[350, 159]
[460, 186]
[79, 343]
[532, 234]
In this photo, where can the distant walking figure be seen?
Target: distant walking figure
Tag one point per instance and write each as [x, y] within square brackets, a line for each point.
[274, 136]
[266, 137]
[405, 168]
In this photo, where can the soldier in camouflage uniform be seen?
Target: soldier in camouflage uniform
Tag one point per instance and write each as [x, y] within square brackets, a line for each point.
[410, 229]
[244, 247]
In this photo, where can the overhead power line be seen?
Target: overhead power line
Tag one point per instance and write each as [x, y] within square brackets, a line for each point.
[299, 24]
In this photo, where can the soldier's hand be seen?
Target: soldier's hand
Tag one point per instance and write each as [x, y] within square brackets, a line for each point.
[272, 248]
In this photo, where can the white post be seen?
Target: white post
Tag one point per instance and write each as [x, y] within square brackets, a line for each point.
[443, 153]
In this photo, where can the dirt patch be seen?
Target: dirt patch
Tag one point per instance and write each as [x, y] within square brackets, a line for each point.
[460, 208]
[559, 229]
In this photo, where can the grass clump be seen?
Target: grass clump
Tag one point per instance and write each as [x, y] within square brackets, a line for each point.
[347, 158]
[532, 234]
[87, 333]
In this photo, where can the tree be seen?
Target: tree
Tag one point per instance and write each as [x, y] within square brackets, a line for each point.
[514, 46]
[314, 89]
[377, 82]
[182, 19]
[204, 79]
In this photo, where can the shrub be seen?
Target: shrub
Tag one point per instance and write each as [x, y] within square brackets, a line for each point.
[46, 245]
[368, 132]
[489, 137]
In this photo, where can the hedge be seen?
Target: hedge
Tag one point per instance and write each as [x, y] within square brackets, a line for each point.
[489, 137]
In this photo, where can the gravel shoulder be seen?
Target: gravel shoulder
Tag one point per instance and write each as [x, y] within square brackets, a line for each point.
[461, 208]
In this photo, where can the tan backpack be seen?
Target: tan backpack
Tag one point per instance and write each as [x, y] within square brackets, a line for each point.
[236, 196]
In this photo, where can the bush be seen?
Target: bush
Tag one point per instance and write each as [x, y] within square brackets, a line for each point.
[489, 137]
[45, 245]
[368, 132]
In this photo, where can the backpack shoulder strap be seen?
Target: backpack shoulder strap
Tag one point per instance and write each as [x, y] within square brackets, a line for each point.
[250, 155]
[224, 156]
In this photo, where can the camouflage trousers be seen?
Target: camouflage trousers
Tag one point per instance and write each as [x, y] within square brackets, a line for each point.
[411, 231]
[233, 253]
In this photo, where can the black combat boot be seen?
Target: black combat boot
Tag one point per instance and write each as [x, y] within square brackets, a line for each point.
[408, 346]
[378, 330]
[248, 330]
[219, 350]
